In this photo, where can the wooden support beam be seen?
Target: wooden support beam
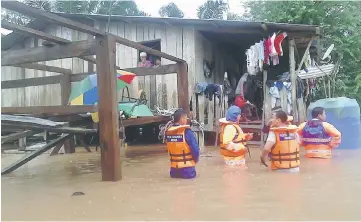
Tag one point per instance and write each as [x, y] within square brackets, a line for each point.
[139, 71]
[29, 31]
[34, 154]
[51, 110]
[161, 70]
[50, 38]
[293, 78]
[56, 149]
[182, 86]
[38, 81]
[146, 49]
[43, 53]
[60, 129]
[41, 14]
[108, 111]
[16, 136]
[44, 68]
[65, 86]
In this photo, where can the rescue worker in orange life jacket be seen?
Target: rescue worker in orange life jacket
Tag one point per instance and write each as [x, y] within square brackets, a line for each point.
[318, 136]
[182, 147]
[232, 139]
[282, 144]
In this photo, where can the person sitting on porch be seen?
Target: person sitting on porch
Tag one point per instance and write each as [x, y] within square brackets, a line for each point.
[318, 136]
[143, 61]
[282, 145]
[182, 147]
[232, 139]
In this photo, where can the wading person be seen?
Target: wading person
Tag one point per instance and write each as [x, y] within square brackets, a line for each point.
[182, 147]
[318, 136]
[232, 139]
[282, 145]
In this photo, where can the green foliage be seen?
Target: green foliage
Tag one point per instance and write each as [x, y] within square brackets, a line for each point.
[171, 10]
[118, 7]
[212, 9]
[341, 24]
[233, 16]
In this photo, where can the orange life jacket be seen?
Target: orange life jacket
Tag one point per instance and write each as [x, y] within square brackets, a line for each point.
[285, 154]
[239, 138]
[179, 151]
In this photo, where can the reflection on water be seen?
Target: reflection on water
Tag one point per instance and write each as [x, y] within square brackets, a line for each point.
[43, 188]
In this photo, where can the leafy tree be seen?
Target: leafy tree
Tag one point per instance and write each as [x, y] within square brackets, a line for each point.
[233, 16]
[128, 8]
[171, 10]
[118, 7]
[212, 9]
[341, 23]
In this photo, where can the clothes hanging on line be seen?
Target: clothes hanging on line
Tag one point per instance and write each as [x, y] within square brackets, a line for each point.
[263, 52]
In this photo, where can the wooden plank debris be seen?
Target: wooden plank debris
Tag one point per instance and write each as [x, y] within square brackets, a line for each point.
[16, 136]
[62, 129]
[44, 53]
[31, 156]
[28, 120]
[50, 110]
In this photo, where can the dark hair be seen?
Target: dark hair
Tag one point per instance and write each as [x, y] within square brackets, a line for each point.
[317, 111]
[282, 115]
[178, 115]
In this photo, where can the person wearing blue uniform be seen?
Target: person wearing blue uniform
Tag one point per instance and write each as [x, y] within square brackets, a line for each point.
[182, 147]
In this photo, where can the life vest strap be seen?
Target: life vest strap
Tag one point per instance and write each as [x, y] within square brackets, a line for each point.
[319, 151]
[182, 160]
[287, 154]
[285, 159]
[316, 140]
[180, 155]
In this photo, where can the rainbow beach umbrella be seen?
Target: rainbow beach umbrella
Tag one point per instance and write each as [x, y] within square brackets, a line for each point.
[85, 92]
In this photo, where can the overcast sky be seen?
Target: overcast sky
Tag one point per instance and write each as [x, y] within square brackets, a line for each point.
[189, 7]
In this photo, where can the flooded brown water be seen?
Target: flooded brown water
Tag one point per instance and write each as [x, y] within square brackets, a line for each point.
[43, 188]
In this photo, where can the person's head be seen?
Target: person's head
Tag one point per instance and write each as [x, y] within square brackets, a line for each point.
[157, 62]
[234, 114]
[319, 113]
[143, 56]
[180, 117]
[279, 118]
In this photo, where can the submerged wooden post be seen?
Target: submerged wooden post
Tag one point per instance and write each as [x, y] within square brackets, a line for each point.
[182, 86]
[293, 78]
[264, 107]
[108, 109]
[65, 85]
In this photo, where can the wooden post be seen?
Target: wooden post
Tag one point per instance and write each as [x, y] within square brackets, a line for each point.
[182, 80]
[293, 78]
[264, 107]
[108, 109]
[65, 85]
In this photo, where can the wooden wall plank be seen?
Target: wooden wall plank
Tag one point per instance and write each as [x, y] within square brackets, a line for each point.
[171, 79]
[161, 88]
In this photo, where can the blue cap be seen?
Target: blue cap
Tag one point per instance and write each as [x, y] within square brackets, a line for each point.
[232, 113]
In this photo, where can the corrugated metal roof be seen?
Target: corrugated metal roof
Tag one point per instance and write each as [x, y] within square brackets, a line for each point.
[316, 72]
[13, 38]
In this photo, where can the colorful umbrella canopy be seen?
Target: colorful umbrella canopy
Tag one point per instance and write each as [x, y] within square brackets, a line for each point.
[85, 92]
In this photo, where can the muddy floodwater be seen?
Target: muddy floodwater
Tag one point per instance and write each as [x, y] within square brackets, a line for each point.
[43, 188]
